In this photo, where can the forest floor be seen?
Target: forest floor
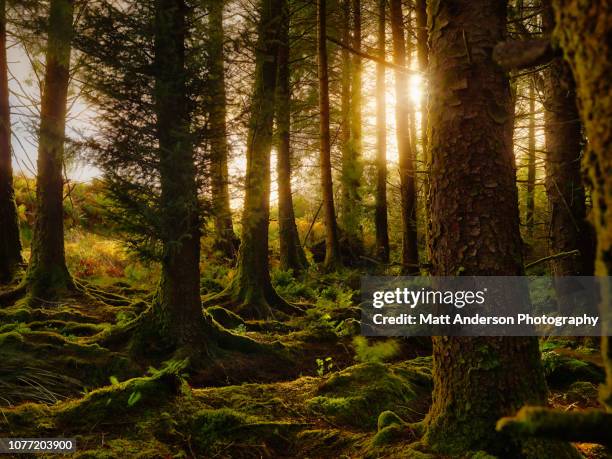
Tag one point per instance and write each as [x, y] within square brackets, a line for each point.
[330, 393]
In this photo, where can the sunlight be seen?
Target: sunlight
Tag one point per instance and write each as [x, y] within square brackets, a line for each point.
[416, 88]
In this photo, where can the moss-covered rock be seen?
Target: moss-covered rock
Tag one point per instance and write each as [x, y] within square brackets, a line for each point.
[356, 395]
[562, 370]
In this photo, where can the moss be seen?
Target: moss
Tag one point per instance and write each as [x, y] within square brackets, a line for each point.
[389, 434]
[562, 370]
[111, 403]
[219, 430]
[387, 418]
[356, 395]
[225, 317]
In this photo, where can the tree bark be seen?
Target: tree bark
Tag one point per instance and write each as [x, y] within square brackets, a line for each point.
[177, 308]
[10, 242]
[583, 30]
[332, 249]
[225, 239]
[380, 217]
[291, 252]
[47, 276]
[531, 163]
[410, 256]
[475, 231]
[352, 169]
[252, 289]
[564, 188]
[423, 58]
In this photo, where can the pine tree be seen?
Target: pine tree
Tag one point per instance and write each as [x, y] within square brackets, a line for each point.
[10, 242]
[47, 276]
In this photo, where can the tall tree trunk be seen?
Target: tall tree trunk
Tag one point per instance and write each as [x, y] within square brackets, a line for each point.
[583, 30]
[475, 232]
[410, 256]
[423, 58]
[252, 287]
[345, 135]
[291, 252]
[10, 243]
[350, 215]
[380, 217]
[177, 309]
[332, 249]
[225, 239]
[531, 163]
[47, 275]
[564, 188]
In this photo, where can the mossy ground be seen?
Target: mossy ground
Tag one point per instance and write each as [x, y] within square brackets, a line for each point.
[317, 393]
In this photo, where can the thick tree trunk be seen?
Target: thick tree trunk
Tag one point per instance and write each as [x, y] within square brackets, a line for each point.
[531, 163]
[352, 168]
[475, 230]
[177, 309]
[565, 190]
[332, 249]
[410, 256]
[225, 239]
[47, 275]
[252, 288]
[583, 30]
[380, 216]
[10, 243]
[291, 252]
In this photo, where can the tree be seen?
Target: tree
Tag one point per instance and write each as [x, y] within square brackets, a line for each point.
[476, 379]
[531, 162]
[251, 293]
[177, 308]
[10, 242]
[564, 188]
[352, 169]
[380, 217]
[581, 32]
[226, 240]
[410, 256]
[423, 58]
[291, 252]
[47, 276]
[332, 249]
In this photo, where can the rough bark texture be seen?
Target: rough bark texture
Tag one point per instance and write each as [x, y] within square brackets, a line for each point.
[291, 252]
[410, 257]
[332, 249]
[475, 231]
[352, 169]
[177, 309]
[380, 216]
[10, 243]
[47, 275]
[531, 163]
[225, 239]
[583, 31]
[252, 288]
[564, 188]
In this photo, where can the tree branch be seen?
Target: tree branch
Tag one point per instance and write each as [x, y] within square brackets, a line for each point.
[571, 253]
[523, 54]
[373, 58]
